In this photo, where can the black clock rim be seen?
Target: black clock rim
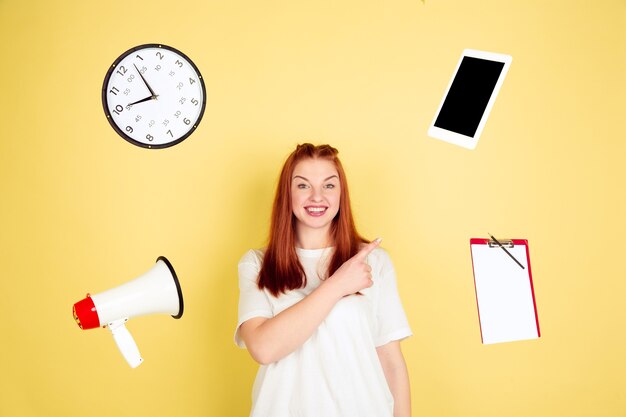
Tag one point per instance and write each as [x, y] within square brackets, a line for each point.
[105, 101]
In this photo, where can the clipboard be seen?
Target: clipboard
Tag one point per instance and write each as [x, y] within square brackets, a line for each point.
[505, 297]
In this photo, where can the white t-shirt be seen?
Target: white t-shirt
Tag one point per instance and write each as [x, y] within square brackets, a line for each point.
[336, 372]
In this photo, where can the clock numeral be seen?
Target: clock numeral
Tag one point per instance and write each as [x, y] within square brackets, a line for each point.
[138, 118]
[138, 56]
[149, 137]
[172, 73]
[152, 122]
[114, 91]
[182, 100]
[195, 101]
[127, 91]
[177, 114]
[191, 81]
[118, 109]
[186, 121]
[122, 70]
[169, 132]
[160, 55]
[158, 68]
[131, 78]
[165, 122]
[179, 86]
[129, 129]
[143, 70]
[180, 64]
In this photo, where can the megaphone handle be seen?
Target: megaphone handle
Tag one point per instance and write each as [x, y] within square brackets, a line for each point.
[125, 342]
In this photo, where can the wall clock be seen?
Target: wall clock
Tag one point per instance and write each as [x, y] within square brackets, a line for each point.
[154, 96]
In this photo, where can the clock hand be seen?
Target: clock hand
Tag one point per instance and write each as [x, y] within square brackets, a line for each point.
[145, 82]
[152, 97]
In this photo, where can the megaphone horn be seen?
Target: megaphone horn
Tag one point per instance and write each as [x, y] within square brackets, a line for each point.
[156, 291]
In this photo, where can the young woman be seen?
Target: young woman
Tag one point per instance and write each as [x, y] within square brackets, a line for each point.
[319, 307]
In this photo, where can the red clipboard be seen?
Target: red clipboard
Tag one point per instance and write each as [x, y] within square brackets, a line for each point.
[505, 295]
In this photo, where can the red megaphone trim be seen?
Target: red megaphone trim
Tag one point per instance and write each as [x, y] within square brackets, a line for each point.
[85, 314]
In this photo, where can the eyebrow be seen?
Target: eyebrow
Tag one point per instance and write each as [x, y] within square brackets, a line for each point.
[306, 179]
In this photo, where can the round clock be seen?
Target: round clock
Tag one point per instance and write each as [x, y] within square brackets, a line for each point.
[154, 96]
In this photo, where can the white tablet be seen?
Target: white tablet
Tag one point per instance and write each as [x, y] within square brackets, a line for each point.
[469, 97]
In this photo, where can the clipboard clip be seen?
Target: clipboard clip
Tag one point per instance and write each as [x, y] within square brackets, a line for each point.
[506, 243]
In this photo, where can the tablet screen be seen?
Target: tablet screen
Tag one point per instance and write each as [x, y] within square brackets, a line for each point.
[469, 94]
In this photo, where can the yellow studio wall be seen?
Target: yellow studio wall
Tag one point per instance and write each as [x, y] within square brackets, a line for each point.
[82, 210]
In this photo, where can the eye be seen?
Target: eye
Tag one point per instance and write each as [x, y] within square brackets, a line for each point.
[302, 186]
[330, 186]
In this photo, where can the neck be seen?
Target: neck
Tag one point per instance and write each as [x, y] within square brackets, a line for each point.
[313, 238]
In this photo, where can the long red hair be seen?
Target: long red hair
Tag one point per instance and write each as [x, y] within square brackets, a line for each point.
[281, 270]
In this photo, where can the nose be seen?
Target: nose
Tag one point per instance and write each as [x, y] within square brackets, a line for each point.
[316, 194]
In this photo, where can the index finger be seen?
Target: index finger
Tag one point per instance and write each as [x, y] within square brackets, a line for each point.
[367, 249]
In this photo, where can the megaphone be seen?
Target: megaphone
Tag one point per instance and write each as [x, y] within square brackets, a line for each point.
[156, 291]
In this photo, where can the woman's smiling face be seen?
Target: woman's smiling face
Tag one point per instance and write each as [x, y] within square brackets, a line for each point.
[315, 194]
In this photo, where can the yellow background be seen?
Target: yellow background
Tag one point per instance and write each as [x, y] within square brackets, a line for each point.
[83, 211]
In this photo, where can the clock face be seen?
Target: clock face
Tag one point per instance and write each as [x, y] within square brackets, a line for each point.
[154, 96]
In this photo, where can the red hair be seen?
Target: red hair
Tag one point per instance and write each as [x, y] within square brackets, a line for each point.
[281, 270]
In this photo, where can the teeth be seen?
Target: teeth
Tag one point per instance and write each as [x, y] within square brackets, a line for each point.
[316, 209]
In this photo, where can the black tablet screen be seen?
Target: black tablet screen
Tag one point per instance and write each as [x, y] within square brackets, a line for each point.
[468, 96]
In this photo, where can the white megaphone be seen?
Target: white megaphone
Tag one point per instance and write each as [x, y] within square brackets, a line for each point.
[156, 291]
